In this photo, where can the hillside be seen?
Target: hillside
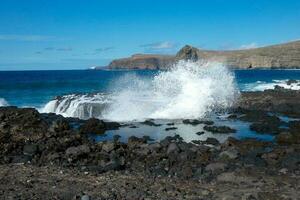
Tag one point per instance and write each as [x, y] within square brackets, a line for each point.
[276, 56]
[143, 61]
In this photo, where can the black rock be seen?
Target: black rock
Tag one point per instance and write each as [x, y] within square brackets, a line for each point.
[212, 141]
[195, 122]
[150, 123]
[219, 129]
[30, 149]
[200, 133]
[170, 128]
[291, 81]
[93, 126]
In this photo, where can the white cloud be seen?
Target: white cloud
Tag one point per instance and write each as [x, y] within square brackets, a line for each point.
[159, 45]
[249, 46]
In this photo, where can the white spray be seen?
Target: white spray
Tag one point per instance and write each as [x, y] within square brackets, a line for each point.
[188, 90]
[3, 102]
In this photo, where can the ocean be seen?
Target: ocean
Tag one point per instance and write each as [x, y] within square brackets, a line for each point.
[36, 88]
[131, 96]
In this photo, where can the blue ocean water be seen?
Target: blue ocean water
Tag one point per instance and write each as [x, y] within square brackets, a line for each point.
[36, 88]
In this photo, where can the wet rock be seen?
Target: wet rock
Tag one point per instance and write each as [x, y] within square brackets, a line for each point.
[170, 124]
[170, 128]
[212, 141]
[93, 126]
[279, 88]
[116, 138]
[112, 125]
[232, 116]
[150, 123]
[269, 124]
[195, 122]
[291, 81]
[200, 133]
[147, 138]
[219, 129]
[134, 141]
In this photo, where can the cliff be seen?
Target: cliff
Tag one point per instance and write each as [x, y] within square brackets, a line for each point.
[276, 56]
[143, 61]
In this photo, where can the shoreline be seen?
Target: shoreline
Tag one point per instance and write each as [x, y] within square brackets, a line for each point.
[35, 146]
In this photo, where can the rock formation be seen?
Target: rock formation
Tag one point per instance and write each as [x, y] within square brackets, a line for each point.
[283, 56]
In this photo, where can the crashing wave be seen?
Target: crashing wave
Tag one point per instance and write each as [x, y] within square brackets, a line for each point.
[83, 106]
[188, 90]
[3, 102]
[261, 86]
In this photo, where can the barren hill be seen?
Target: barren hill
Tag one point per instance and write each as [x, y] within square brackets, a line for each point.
[284, 56]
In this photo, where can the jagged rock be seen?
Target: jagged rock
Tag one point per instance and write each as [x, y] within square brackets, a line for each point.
[108, 146]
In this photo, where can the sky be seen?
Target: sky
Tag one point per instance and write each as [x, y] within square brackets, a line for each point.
[78, 34]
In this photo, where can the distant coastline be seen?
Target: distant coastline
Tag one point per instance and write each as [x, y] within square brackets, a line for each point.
[281, 56]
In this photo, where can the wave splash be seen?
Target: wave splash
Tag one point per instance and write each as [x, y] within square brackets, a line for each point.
[76, 105]
[187, 90]
[3, 102]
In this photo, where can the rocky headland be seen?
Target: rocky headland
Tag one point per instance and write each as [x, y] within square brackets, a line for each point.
[281, 56]
[47, 156]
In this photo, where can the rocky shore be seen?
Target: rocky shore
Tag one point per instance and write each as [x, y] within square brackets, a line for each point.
[46, 156]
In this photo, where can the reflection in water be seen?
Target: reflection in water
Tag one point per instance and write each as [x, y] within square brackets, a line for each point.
[186, 131]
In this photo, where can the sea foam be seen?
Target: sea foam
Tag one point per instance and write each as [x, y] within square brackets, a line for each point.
[187, 90]
[3, 102]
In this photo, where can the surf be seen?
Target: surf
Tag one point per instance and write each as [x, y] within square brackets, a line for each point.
[186, 90]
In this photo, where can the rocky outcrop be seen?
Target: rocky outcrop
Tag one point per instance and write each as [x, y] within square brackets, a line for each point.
[276, 56]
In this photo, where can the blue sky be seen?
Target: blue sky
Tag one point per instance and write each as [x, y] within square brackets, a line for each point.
[77, 34]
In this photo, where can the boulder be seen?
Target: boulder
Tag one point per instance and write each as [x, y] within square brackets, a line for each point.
[229, 154]
[30, 149]
[75, 152]
[172, 148]
[108, 146]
